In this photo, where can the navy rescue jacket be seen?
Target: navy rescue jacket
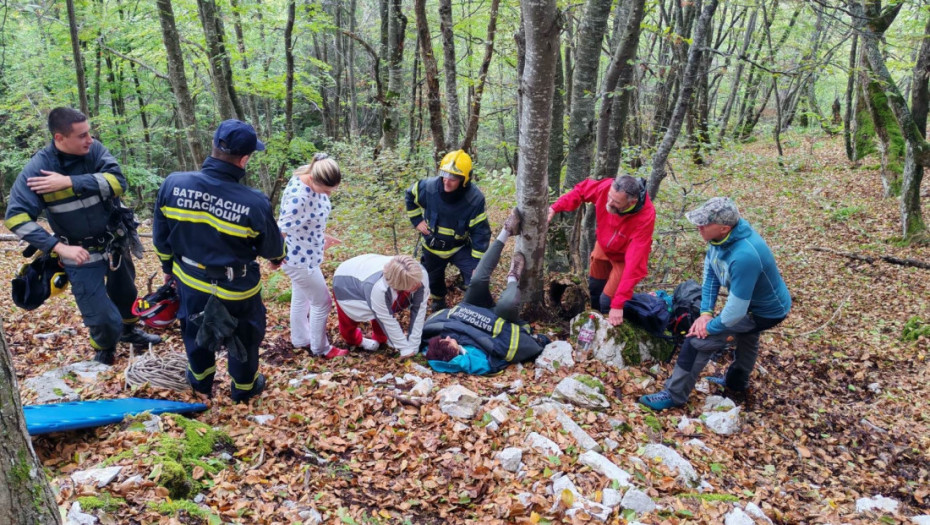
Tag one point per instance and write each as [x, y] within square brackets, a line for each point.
[504, 342]
[208, 229]
[454, 219]
[79, 214]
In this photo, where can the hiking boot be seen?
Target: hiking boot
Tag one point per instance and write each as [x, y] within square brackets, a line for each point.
[516, 266]
[107, 357]
[335, 352]
[658, 401]
[258, 386]
[369, 345]
[514, 222]
[203, 386]
[133, 334]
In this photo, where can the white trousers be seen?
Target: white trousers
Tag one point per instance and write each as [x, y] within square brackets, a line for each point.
[310, 307]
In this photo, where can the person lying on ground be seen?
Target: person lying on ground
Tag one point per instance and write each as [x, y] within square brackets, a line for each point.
[375, 288]
[479, 335]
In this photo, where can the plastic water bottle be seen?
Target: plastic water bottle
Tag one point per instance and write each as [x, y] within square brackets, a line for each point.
[586, 338]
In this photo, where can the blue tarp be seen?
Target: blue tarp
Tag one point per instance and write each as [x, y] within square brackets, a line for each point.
[57, 417]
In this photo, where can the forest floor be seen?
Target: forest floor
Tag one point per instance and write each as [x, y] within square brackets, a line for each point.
[837, 411]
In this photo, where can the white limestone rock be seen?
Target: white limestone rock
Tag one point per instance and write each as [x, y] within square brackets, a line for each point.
[85, 371]
[262, 419]
[420, 369]
[637, 501]
[101, 477]
[510, 458]
[923, 519]
[525, 499]
[605, 467]
[723, 423]
[738, 517]
[698, 444]
[585, 441]
[77, 517]
[753, 510]
[577, 391]
[718, 404]
[556, 355]
[296, 382]
[499, 415]
[422, 388]
[542, 444]
[611, 498]
[608, 349]
[311, 517]
[51, 388]
[877, 503]
[673, 460]
[458, 401]
[611, 445]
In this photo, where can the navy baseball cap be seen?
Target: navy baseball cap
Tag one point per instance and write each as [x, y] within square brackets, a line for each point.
[237, 138]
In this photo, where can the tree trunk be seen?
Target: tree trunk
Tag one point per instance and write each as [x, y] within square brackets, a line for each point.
[25, 497]
[353, 88]
[684, 100]
[78, 60]
[220, 69]
[541, 26]
[240, 44]
[288, 97]
[390, 126]
[737, 76]
[850, 89]
[448, 53]
[431, 76]
[911, 214]
[581, 137]
[475, 111]
[618, 86]
[558, 249]
[178, 80]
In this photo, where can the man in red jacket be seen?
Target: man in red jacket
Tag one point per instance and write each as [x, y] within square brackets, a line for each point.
[625, 222]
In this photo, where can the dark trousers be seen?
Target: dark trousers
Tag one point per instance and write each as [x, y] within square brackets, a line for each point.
[201, 362]
[436, 269]
[105, 299]
[695, 354]
[479, 291]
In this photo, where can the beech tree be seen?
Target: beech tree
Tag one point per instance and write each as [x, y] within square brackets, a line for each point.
[25, 497]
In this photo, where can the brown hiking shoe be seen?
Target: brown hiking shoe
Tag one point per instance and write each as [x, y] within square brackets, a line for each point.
[514, 223]
[516, 265]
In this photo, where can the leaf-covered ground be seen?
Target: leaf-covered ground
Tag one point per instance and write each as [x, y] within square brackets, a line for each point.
[817, 432]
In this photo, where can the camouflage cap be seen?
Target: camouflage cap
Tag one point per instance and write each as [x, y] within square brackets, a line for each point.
[719, 210]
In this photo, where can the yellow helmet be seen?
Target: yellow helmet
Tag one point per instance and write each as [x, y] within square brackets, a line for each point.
[59, 283]
[457, 163]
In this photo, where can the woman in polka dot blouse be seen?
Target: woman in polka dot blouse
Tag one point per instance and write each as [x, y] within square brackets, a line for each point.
[305, 207]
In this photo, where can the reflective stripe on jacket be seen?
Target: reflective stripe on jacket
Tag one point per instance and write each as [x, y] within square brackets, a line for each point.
[77, 213]
[206, 222]
[454, 221]
[504, 342]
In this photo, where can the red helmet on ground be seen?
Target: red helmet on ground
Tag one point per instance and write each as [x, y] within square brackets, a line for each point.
[158, 309]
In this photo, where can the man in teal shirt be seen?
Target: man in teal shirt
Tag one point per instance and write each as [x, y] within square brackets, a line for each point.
[739, 259]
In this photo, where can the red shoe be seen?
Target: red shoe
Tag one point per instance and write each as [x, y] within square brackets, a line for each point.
[335, 352]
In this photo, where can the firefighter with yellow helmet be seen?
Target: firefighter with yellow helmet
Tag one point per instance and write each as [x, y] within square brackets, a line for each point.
[449, 212]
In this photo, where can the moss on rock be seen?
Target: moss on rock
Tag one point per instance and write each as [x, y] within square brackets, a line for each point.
[591, 382]
[105, 501]
[175, 479]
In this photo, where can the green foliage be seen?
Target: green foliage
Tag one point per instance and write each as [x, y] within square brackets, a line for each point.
[105, 501]
[846, 213]
[915, 328]
[173, 508]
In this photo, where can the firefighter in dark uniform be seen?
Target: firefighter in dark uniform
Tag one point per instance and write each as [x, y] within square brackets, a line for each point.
[449, 213]
[208, 230]
[77, 182]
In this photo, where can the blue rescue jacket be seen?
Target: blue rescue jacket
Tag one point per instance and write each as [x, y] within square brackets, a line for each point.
[208, 229]
[745, 265]
[454, 220]
[79, 214]
[502, 341]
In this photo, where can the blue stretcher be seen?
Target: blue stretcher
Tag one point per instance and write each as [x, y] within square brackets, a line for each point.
[58, 417]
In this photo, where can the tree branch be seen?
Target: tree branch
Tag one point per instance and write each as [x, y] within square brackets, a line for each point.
[135, 61]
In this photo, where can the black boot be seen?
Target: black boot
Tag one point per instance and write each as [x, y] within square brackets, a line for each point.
[133, 333]
[258, 387]
[107, 357]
